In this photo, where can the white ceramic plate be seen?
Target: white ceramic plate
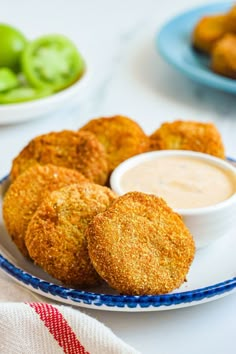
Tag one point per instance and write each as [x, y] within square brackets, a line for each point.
[30, 110]
[212, 275]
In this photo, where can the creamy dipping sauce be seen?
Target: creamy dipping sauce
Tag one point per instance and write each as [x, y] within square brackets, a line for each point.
[183, 182]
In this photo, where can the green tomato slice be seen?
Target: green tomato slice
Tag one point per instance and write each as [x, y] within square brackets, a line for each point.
[8, 79]
[22, 94]
[52, 61]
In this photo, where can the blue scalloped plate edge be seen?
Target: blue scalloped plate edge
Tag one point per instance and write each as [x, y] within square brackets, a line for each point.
[196, 73]
[120, 301]
[117, 302]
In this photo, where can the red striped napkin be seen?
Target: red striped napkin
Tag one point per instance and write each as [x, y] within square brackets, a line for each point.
[41, 328]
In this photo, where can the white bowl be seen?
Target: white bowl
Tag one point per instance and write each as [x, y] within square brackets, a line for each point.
[206, 223]
[30, 110]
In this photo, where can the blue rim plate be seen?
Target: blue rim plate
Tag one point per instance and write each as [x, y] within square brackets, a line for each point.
[174, 44]
[208, 278]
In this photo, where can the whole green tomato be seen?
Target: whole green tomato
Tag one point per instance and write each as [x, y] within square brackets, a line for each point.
[12, 43]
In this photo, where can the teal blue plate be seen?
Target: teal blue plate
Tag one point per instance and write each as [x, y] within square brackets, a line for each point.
[174, 44]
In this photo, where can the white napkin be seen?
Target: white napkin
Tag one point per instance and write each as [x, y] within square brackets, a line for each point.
[41, 328]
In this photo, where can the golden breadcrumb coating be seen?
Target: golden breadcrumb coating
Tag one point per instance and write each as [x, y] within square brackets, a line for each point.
[76, 150]
[231, 20]
[208, 31]
[27, 192]
[223, 59]
[188, 135]
[121, 137]
[140, 246]
[55, 236]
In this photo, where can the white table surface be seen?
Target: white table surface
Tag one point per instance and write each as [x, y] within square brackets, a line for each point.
[129, 78]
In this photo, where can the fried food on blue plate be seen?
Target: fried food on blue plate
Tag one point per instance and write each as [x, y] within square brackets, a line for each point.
[208, 31]
[231, 19]
[188, 135]
[140, 246]
[76, 150]
[56, 238]
[223, 59]
[27, 192]
[121, 137]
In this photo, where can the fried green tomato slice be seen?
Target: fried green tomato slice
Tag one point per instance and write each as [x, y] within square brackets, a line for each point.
[188, 135]
[223, 61]
[231, 20]
[208, 31]
[139, 246]
[76, 150]
[27, 192]
[56, 238]
[121, 137]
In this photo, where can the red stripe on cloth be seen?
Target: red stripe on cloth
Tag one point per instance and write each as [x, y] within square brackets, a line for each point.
[59, 328]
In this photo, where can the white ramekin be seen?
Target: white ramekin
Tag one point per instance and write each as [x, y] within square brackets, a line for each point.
[206, 224]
